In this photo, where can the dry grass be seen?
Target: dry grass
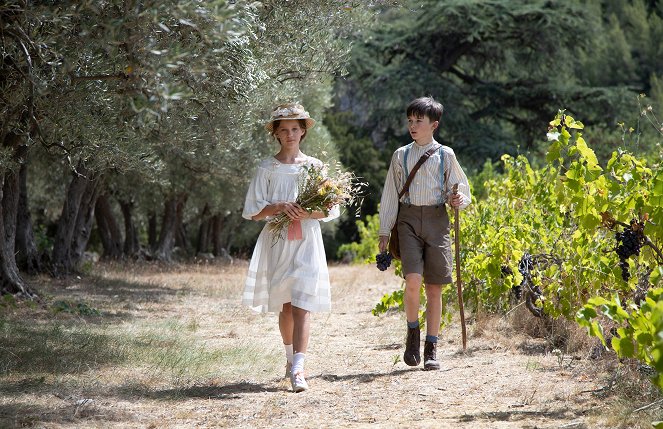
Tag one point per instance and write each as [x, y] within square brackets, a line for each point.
[172, 347]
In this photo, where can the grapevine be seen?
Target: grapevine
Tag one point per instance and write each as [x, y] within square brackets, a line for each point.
[629, 241]
[532, 292]
[559, 210]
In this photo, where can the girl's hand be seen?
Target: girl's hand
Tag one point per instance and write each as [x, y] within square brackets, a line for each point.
[294, 211]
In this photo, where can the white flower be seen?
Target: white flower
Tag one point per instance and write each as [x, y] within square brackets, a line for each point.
[287, 111]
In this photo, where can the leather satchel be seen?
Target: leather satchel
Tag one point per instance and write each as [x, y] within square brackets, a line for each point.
[394, 244]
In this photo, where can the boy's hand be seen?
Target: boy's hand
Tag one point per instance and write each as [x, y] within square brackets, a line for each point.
[456, 200]
[382, 244]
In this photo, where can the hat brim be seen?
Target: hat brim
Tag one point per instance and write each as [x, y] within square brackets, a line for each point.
[269, 126]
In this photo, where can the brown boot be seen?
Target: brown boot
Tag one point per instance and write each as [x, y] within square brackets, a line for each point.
[430, 359]
[411, 356]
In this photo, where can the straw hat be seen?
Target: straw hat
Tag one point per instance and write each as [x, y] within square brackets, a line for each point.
[289, 111]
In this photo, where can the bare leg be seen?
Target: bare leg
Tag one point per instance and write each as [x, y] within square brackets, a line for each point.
[286, 323]
[433, 309]
[302, 329]
[302, 322]
[286, 326]
[412, 288]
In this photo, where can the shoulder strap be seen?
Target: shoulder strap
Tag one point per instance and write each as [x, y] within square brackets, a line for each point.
[419, 163]
[442, 175]
[405, 155]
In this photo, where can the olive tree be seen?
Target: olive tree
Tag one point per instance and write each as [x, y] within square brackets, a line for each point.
[150, 104]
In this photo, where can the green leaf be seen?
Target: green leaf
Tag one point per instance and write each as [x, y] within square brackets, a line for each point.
[595, 330]
[645, 338]
[590, 221]
[615, 344]
[586, 153]
[657, 188]
[574, 172]
[554, 152]
[656, 275]
[572, 123]
[597, 301]
[626, 348]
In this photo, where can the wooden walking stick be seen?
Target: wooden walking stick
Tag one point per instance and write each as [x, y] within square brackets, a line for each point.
[458, 284]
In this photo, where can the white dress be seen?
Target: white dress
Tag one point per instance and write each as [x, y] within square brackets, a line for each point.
[292, 271]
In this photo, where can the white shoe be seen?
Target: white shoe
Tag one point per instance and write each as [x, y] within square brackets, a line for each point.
[298, 382]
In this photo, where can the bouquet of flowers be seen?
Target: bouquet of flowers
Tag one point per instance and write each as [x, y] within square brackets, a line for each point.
[319, 190]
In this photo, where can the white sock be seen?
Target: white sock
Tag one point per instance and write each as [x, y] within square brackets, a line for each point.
[298, 363]
[288, 352]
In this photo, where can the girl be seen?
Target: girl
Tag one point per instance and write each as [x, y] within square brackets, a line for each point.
[288, 275]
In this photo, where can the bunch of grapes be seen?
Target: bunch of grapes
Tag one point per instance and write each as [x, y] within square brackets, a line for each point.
[506, 270]
[629, 243]
[383, 260]
[526, 264]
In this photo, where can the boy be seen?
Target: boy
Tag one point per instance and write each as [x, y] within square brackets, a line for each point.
[423, 223]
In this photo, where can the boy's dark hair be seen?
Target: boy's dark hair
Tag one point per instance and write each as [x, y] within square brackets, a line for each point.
[425, 106]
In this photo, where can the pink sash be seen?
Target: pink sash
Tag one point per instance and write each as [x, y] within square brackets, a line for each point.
[295, 230]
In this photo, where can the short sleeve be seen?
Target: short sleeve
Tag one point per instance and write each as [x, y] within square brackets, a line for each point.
[333, 214]
[256, 196]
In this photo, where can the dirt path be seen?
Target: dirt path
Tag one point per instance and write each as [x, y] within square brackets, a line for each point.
[354, 367]
[358, 379]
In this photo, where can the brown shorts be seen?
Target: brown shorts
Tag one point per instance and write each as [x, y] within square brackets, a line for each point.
[423, 232]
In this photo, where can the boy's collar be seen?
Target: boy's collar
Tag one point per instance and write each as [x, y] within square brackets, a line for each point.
[426, 144]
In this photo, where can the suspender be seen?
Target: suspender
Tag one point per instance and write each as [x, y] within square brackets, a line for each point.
[442, 182]
[410, 176]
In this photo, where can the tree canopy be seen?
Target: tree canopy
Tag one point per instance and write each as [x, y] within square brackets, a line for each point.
[158, 104]
[502, 68]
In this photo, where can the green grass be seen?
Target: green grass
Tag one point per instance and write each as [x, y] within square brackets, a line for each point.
[166, 350]
[34, 347]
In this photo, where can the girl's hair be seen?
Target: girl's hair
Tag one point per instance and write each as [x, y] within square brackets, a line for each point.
[425, 106]
[302, 123]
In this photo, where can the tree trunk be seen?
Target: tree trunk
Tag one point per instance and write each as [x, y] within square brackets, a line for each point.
[75, 221]
[109, 230]
[131, 243]
[63, 237]
[204, 236]
[85, 219]
[173, 207]
[181, 239]
[152, 230]
[27, 255]
[11, 281]
[217, 239]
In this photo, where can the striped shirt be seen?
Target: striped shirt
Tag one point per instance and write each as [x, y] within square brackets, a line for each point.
[426, 188]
